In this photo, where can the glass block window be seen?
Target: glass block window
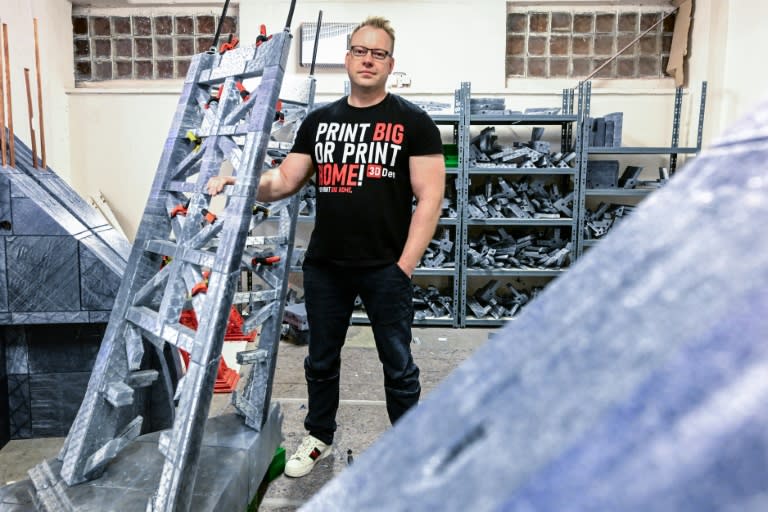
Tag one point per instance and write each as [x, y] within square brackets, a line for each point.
[571, 44]
[142, 47]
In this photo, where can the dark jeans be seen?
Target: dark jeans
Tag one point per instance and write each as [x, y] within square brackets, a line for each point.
[387, 295]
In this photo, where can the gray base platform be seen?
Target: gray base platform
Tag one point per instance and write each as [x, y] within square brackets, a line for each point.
[234, 460]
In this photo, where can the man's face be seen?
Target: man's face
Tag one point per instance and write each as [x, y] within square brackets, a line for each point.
[367, 71]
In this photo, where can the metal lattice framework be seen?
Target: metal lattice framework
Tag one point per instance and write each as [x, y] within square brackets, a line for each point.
[182, 246]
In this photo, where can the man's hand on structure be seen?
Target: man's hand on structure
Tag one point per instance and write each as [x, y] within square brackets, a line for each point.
[217, 183]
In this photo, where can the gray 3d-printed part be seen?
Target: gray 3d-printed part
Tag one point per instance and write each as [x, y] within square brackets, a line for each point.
[52, 194]
[646, 393]
[242, 457]
[179, 243]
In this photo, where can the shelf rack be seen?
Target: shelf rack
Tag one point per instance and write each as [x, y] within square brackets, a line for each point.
[568, 123]
[673, 150]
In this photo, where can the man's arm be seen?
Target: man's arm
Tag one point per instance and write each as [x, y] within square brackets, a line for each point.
[277, 183]
[428, 183]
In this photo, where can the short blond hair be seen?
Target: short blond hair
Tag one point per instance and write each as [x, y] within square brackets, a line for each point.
[377, 22]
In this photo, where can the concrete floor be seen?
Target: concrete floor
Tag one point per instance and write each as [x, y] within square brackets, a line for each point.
[362, 414]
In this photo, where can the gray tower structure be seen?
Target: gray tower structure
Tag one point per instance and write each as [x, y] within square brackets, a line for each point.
[186, 257]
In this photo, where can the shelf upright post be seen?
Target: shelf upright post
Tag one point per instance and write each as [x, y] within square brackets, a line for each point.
[566, 137]
[675, 129]
[462, 186]
[700, 131]
[582, 152]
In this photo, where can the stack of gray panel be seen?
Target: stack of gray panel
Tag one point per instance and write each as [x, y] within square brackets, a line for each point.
[606, 131]
[486, 106]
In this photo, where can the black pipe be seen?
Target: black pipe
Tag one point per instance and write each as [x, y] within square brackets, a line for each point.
[290, 16]
[218, 27]
[317, 40]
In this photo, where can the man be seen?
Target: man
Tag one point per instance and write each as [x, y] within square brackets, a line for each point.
[372, 152]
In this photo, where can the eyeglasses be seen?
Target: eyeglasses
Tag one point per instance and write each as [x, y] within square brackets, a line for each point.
[362, 51]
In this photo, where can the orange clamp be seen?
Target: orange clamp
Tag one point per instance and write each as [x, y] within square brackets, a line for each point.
[279, 115]
[180, 209]
[262, 37]
[202, 286]
[208, 216]
[265, 259]
[244, 94]
[231, 44]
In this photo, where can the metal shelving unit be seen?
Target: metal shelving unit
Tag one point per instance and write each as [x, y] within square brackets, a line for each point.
[585, 96]
[567, 121]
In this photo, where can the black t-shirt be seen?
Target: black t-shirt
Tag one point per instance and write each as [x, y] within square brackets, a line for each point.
[364, 195]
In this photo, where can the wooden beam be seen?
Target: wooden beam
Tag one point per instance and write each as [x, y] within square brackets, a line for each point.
[9, 103]
[40, 98]
[31, 115]
[3, 142]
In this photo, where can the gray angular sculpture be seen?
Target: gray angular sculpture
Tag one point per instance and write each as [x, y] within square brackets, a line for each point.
[646, 393]
[62, 261]
[180, 245]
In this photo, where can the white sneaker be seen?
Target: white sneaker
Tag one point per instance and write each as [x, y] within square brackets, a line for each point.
[306, 456]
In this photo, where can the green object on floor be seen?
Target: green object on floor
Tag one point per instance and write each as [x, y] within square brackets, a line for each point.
[277, 466]
[275, 469]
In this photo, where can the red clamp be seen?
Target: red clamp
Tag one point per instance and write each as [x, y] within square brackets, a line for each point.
[208, 217]
[231, 44]
[265, 258]
[279, 115]
[244, 94]
[262, 37]
[202, 286]
[180, 209]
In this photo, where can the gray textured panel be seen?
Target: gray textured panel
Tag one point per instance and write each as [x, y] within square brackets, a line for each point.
[60, 349]
[647, 393]
[5, 432]
[3, 371]
[5, 318]
[74, 317]
[19, 405]
[5, 204]
[55, 399]
[3, 278]
[98, 283]
[44, 276]
[61, 204]
[30, 219]
[44, 200]
[98, 316]
[16, 349]
[5, 199]
[52, 183]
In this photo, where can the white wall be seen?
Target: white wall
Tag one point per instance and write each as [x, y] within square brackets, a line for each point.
[117, 131]
[438, 43]
[729, 37]
[55, 40]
